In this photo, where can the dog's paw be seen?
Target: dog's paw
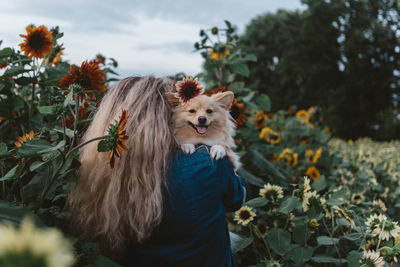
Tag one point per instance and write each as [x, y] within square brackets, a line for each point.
[188, 148]
[217, 152]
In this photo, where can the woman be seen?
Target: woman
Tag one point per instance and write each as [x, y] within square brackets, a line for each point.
[157, 204]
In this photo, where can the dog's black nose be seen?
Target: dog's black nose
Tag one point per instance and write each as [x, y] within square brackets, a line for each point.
[202, 120]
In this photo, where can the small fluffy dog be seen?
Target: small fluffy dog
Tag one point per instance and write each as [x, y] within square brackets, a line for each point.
[205, 120]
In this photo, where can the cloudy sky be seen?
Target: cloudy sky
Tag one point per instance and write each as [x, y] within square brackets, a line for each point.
[145, 37]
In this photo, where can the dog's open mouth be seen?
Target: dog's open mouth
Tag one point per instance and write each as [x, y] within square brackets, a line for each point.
[200, 129]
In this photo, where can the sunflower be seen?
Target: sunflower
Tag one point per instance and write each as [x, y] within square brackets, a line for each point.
[386, 229]
[118, 134]
[313, 173]
[244, 215]
[357, 198]
[188, 88]
[237, 113]
[316, 155]
[23, 139]
[295, 159]
[303, 115]
[56, 58]
[219, 53]
[304, 140]
[325, 207]
[28, 244]
[308, 197]
[373, 221]
[343, 213]
[270, 136]
[262, 229]
[271, 192]
[219, 89]
[38, 42]
[313, 223]
[260, 121]
[379, 203]
[372, 258]
[89, 76]
[286, 155]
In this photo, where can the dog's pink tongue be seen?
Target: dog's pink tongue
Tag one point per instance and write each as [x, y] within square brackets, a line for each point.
[201, 129]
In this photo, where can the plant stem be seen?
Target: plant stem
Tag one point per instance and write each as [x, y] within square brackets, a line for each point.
[330, 235]
[54, 176]
[76, 119]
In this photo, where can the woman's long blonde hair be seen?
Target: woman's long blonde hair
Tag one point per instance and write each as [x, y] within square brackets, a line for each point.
[109, 205]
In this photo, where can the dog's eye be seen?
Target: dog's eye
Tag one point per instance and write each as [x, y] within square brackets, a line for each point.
[209, 111]
[192, 111]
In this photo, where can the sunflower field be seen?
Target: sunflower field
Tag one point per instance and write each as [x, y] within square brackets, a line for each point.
[313, 200]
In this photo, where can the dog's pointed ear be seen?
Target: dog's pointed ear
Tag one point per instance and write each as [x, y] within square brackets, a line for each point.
[172, 99]
[225, 99]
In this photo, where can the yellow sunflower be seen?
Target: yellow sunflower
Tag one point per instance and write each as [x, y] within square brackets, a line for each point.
[287, 156]
[119, 139]
[219, 54]
[295, 159]
[244, 215]
[316, 155]
[262, 230]
[38, 42]
[24, 138]
[313, 173]
[270, 136]
[238, 113]
[303, 115]
[260, 121]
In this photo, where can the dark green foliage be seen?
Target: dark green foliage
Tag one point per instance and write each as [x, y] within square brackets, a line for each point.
[343, 55]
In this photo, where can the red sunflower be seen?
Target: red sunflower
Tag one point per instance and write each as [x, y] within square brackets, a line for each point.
[89, 76]
[188, 88]
[238, 113]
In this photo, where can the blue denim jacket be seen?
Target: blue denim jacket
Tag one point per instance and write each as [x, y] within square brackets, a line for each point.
[193, 231]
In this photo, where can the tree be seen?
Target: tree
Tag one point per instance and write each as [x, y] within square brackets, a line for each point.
[342, 55]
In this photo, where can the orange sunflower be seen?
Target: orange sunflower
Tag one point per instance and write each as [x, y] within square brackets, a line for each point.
[237, 113]
[303, 115]
[57, 57]
[38, 42]
[89, 76]
[219, 89]
[260, 122]
[22, 139]
[120, 137]
[69, 120]
[313, 173]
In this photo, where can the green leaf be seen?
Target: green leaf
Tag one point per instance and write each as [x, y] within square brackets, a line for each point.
[257, 202]
[25, 80]
[327, 241]
[37, 147]
[15, 214]
[289, 204]
[241, 244]
[264, 102]
[301, 234]
[13, 173]
[47, 109]
[319, 184]
[279, 240]
[4, 151]
[301, 255]
[250, 57]
[68, 98]
[353, 258]
[252, 179]
[103, 146]
[103, 261]
[6, 52]
[15, 71]
[241, 68]
[36, 165]
[327, 259]
[353, 236]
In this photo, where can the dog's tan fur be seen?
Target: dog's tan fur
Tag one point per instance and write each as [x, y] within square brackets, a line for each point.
[220, 125]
